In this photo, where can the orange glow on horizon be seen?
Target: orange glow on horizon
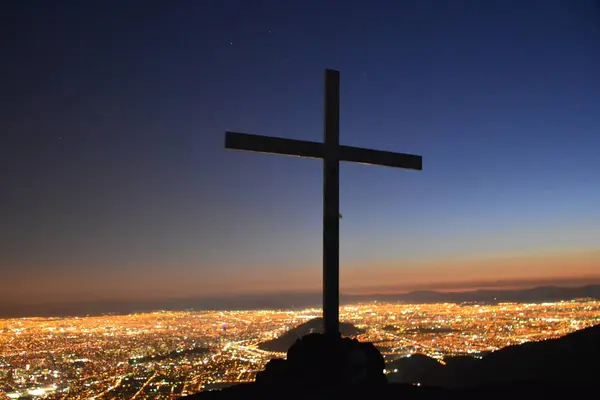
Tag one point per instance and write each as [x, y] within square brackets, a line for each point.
[566, 269]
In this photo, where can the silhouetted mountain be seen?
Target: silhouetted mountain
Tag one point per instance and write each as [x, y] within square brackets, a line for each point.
[283, 342]
[567, 360]
[413, 369]
[292, 301]
[316, 363]
[403, 392]
[318, 369]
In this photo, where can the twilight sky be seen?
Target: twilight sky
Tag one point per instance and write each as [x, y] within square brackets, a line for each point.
[115, 183]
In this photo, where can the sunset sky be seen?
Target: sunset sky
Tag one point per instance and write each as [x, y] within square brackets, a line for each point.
[115, 182]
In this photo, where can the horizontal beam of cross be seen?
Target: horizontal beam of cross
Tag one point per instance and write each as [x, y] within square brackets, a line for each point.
[303, 148]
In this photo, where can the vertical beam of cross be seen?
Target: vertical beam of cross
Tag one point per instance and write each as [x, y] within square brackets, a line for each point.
[332, 153]
[331, 204]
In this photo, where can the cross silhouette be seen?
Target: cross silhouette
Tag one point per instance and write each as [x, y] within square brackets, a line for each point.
[332, 153]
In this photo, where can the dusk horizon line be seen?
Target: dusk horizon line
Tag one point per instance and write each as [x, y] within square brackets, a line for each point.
[249, 301]
[442, 287]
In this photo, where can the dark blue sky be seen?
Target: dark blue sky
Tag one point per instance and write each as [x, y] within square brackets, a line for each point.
[114, 176]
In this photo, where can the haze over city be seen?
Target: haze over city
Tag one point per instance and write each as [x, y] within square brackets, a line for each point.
[117, 185]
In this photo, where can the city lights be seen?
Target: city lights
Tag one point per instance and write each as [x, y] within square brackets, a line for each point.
[170, 354]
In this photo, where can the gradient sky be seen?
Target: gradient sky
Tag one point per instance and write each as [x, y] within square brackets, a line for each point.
[115, 182]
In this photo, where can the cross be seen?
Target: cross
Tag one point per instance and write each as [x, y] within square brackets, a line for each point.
[332, 153]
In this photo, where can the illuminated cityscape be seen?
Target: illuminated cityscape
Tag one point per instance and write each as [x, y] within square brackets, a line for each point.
[170, 354]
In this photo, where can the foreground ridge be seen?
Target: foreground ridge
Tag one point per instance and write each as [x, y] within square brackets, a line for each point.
[318, 366]
[315, 363]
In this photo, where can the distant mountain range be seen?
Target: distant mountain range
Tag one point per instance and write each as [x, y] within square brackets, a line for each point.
[295, 300]
[542, 293]
[315, 325]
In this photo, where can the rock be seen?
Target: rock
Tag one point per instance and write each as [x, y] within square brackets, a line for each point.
[320, 361]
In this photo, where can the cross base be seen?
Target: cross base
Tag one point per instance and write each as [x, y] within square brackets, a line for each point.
[319, 361]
